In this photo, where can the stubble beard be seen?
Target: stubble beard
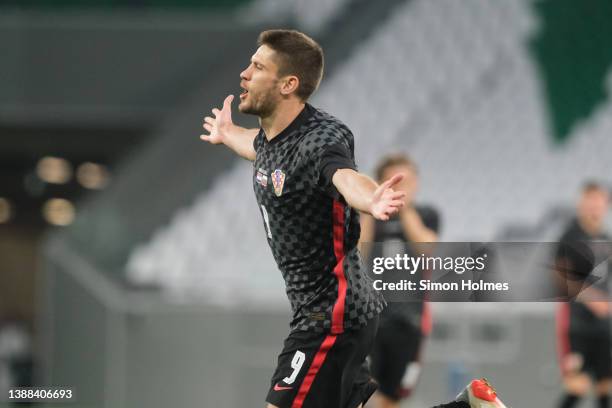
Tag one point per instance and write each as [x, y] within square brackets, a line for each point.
[263, 106]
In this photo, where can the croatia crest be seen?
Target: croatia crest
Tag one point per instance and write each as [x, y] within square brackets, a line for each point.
[278, 180]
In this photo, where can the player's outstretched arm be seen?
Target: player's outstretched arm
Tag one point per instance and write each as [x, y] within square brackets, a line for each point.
[363, 194]
[221, 129]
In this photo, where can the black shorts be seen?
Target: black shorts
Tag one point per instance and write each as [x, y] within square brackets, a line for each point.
[592, 354]
[395, 358]
[324, 370]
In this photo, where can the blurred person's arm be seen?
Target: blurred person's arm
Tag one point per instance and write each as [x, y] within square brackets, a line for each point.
[368, 224]
[363, 194]
[418, 233]
[414, 226]
[571, 274]
[596, 300]
[222, 130]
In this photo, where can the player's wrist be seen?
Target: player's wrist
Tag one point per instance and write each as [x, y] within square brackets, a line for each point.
[229, 134]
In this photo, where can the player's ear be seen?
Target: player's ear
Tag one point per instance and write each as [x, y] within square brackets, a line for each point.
[289, 84]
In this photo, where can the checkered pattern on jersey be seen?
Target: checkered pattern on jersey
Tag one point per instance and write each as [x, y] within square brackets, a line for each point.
[297, 211]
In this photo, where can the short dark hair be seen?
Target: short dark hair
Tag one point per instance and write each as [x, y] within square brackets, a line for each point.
[593, 185]
[299, 55]
[394, 160]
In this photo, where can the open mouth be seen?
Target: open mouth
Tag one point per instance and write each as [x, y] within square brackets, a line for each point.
[244, 93]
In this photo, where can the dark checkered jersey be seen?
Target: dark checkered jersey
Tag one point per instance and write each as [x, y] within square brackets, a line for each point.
[311, 230]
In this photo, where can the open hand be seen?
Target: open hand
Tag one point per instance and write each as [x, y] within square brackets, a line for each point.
[219, 126]
[386, 201]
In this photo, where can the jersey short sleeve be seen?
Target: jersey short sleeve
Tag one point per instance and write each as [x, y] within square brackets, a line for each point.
[329, 148]
[334, 157]
[258, 140]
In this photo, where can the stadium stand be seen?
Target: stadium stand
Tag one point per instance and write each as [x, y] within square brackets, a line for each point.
[312, 16]
[453, 83]
[459, 94]
[119, 4]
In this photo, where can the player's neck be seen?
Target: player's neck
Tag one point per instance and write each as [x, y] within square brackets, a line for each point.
[285, 113]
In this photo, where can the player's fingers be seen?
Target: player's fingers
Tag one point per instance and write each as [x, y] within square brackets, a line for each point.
[227, 103]
[227, 109]
[391, 211]
[216, 112]
[208, 127]
[394, 195]
[396, 203]
[206, 138]
[393, 180]
[208, 122]
[391, 214]
[392, 199]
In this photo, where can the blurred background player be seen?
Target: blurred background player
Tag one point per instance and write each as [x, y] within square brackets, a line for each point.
[583, 323]
[396, 355]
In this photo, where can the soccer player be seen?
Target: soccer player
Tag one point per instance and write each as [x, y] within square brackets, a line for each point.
[583, 324]
[395, 357]
[308, 192]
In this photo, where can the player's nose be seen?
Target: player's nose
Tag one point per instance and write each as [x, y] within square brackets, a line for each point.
[245, 74]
